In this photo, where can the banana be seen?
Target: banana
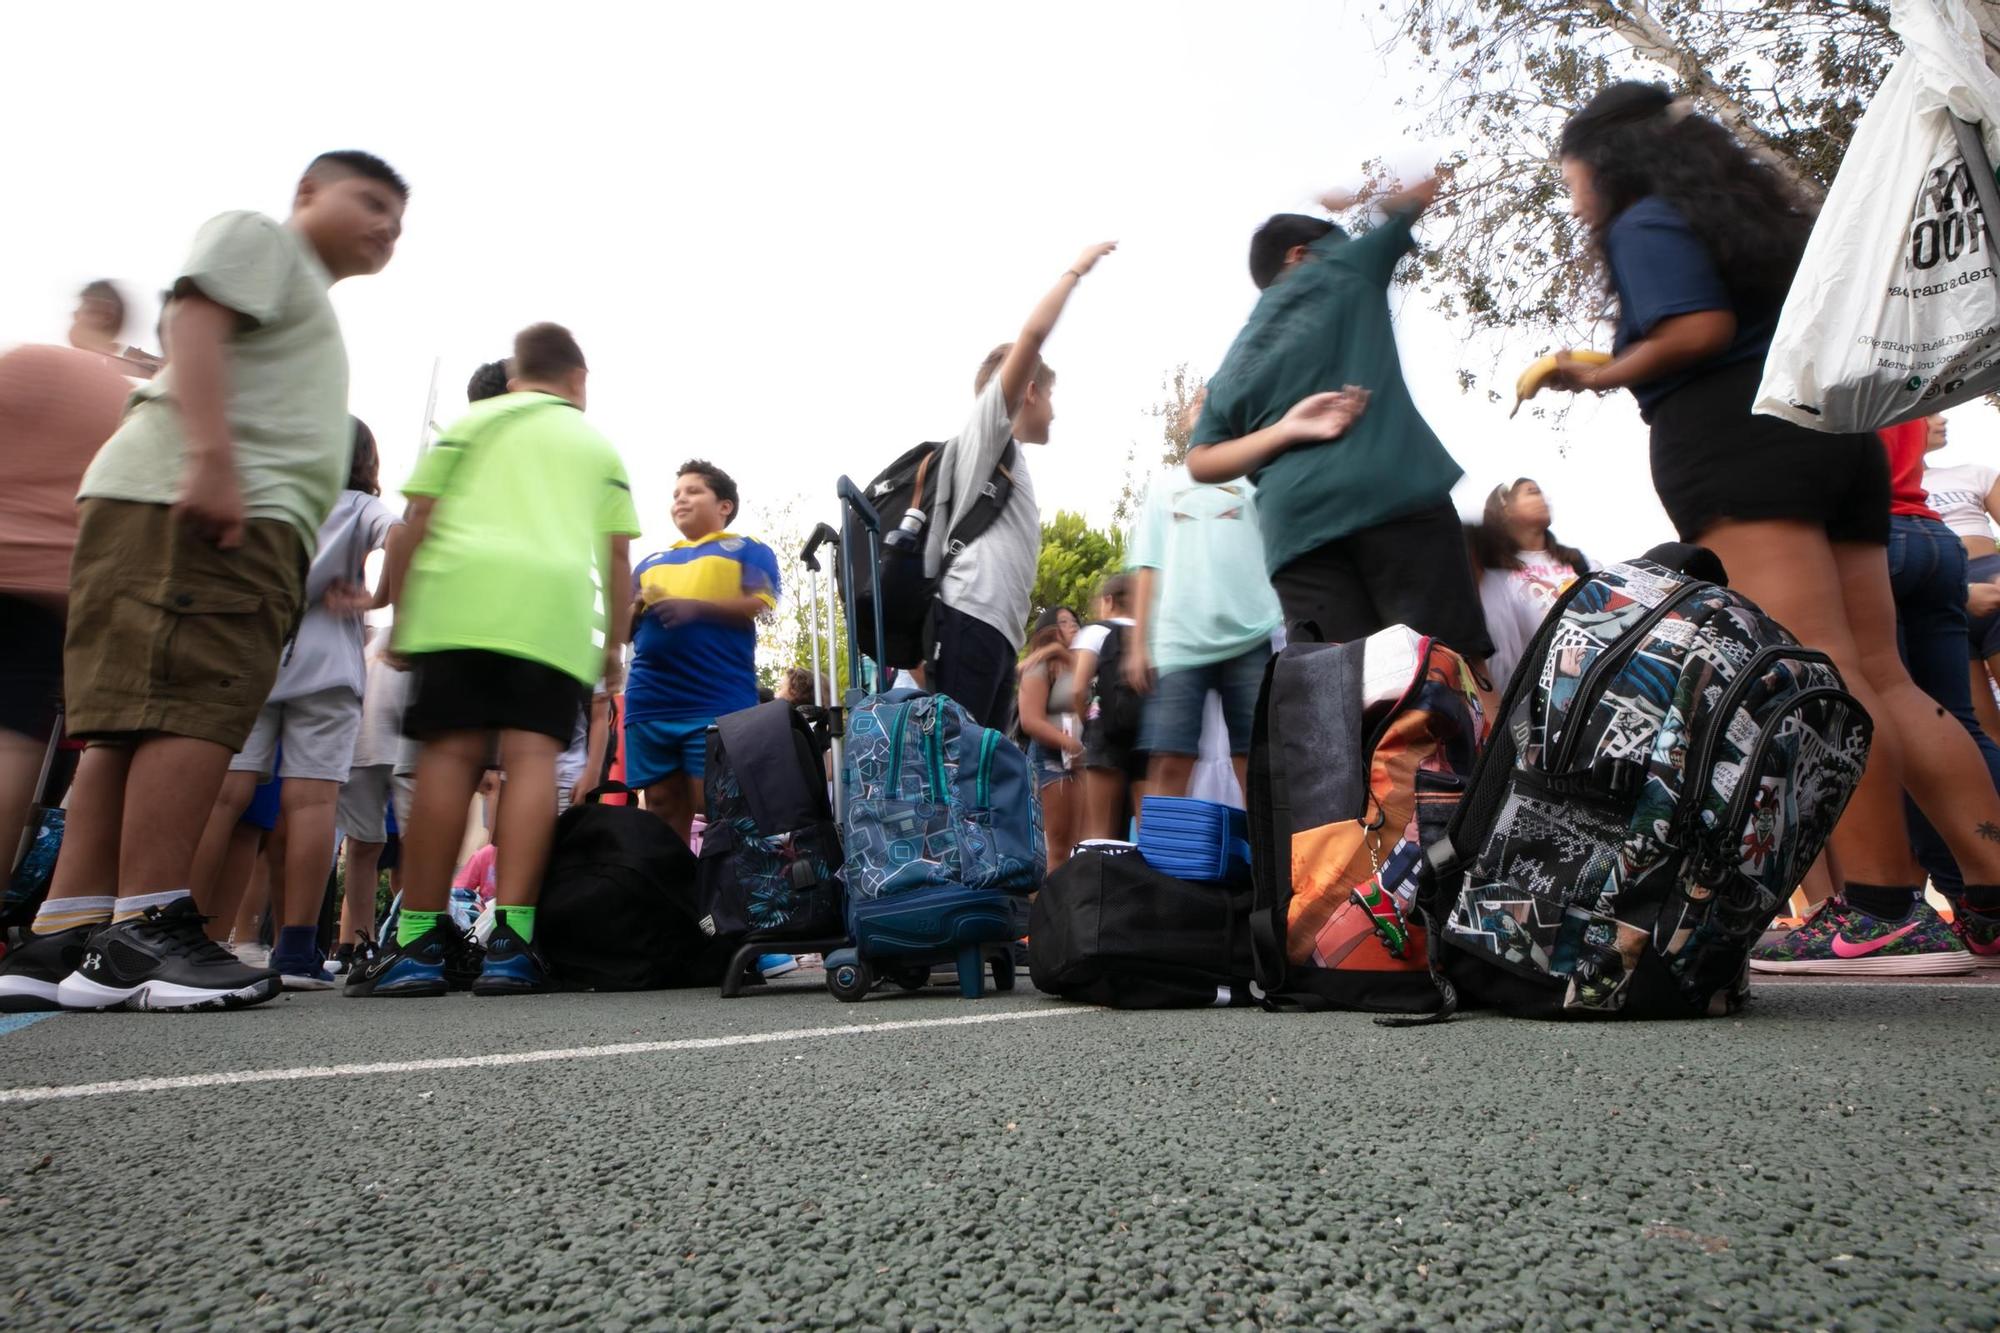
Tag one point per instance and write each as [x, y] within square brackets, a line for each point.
[1535, 376]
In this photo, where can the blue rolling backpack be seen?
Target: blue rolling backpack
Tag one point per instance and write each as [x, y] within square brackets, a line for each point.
[941, 826]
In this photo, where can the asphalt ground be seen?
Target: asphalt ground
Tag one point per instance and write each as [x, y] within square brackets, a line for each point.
[1824, 1161]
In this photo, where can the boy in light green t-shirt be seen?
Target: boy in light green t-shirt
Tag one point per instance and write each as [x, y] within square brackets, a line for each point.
[523, 521]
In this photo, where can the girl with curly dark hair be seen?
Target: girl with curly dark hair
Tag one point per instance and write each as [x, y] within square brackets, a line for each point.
[1699, 240]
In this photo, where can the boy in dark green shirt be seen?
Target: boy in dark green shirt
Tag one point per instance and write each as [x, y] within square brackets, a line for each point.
[1353, 487]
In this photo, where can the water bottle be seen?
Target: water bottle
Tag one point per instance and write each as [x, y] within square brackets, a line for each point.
[904, 537]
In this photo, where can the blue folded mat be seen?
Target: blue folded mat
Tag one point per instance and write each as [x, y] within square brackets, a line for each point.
[1192, 839]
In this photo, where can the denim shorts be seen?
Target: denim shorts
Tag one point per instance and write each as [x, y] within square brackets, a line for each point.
[1985, 629]
[1047, 763]
[1174, 712]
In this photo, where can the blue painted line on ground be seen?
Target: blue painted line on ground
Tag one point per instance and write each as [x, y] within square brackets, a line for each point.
[15, 1022]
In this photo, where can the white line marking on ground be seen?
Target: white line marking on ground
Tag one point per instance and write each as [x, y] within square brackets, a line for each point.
[180, 1081]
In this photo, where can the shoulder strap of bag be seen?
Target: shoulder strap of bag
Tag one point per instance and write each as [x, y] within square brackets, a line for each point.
[982, 513]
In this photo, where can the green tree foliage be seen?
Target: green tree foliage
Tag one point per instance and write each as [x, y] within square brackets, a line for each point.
[785, 636]
[1076, 558]
[1790, 78]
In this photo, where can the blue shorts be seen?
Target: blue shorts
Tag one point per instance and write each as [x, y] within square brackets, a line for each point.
[1047, 763]
[262, 812]
[658, 750]
[1173, 715]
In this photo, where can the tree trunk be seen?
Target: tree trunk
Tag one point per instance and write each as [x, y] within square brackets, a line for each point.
[1634, 21]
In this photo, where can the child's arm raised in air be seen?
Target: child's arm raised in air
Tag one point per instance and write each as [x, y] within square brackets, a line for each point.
[1018, 370]
[1323, 416]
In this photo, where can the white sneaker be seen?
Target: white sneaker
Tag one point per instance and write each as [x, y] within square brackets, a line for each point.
[252, 955]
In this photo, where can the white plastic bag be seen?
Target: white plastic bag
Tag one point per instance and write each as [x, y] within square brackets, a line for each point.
[1895, 312]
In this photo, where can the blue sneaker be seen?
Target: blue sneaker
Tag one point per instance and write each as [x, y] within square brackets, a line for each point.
[776, 965]
[512, 966]
[416, 968]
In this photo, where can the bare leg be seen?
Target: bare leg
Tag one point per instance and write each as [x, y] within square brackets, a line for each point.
[1170, 774]
[217, 842]
[364, 878]
[448, 774]
[527, 822]
[676, 800]
[92, 827]
[169, 792]
[1984, 705]
[20, 766]
[309, 806]
[1059, 819]
[240, 863]
[1104, 793]
[255, 899]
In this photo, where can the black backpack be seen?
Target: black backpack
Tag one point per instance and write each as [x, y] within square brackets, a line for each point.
[617, 910]
[1107, 928]
[1119, 707]
[906, 594]
[770, 856]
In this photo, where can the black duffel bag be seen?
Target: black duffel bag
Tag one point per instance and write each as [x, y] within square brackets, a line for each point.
[618, 903]
[1109, 929]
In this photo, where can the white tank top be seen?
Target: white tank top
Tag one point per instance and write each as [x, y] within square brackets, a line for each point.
[1958, 494]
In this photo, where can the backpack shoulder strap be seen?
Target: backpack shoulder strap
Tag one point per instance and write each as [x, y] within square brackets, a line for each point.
[981, 514]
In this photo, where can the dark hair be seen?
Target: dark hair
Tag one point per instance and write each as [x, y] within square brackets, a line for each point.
[1281, 231]
[1638, 141]
[354, 162]
[1048, 618]
[103, 289]
[1118, 588]
[364, 471]
[489, 381]
[1493, 545]
[718, 481]
[545, 352]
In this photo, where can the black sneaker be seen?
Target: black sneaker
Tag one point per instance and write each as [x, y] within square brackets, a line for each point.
[30, 974]
[512, 966]
[163, 960]
[419, 968]
[463, 957]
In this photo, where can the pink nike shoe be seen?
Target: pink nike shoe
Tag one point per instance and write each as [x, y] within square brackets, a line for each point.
[1842, 940]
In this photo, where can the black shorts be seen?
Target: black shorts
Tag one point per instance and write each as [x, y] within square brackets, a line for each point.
[1120, 754]
[1411, 571]
[1714, 460]
[31, 667]
[469, 689]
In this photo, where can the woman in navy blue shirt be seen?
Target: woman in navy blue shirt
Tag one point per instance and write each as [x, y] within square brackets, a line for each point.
[1699, 242]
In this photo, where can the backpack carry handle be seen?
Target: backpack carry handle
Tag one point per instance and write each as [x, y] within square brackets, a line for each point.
[1696, 562]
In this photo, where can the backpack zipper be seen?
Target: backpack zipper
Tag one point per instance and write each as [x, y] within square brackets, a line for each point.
[896, 729]
[934, 755]
[986, 745]
[1591, 688]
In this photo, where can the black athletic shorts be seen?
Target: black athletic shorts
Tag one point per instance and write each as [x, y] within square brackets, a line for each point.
[1714, 460]
[31, 667]
[470, 689]
[1410, 571]
[1119, 754]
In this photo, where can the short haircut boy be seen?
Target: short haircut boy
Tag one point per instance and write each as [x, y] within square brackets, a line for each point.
[546, 352]
[1280, 234]
[718, 481]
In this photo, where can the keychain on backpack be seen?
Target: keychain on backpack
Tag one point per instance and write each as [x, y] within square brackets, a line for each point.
[1384, 911]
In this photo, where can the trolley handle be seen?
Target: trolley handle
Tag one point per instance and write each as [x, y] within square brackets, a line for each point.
[863, 510]
[822, 534]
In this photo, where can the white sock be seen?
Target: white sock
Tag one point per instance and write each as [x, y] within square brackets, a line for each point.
[69, 913]
[134, 907]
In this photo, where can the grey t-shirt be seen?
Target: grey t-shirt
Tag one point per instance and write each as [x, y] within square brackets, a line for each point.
[993, 578]
[287, 383]
[327, 652]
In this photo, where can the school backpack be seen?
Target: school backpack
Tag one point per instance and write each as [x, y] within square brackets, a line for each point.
[770, 855]
[1110, 928]
[906, 593]
[617, 910]
[1667, 764]
[1358, 756]
[1119, 707]
[935, 799]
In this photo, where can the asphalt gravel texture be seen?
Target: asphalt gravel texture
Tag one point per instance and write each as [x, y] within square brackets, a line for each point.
[1826, 1160]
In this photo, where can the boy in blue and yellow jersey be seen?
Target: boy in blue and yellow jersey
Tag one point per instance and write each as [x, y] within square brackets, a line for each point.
[695, 642]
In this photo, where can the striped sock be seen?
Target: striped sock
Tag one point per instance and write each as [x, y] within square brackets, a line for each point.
[131, 909]
[521, 920]
[412, 926]
[69, 913]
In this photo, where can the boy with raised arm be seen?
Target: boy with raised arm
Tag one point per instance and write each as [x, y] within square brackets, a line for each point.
[982, 610]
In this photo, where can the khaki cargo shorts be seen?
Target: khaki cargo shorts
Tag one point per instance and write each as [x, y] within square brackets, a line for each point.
[169, 634]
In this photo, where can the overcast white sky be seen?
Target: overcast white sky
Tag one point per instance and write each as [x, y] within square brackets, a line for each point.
[785, 234]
